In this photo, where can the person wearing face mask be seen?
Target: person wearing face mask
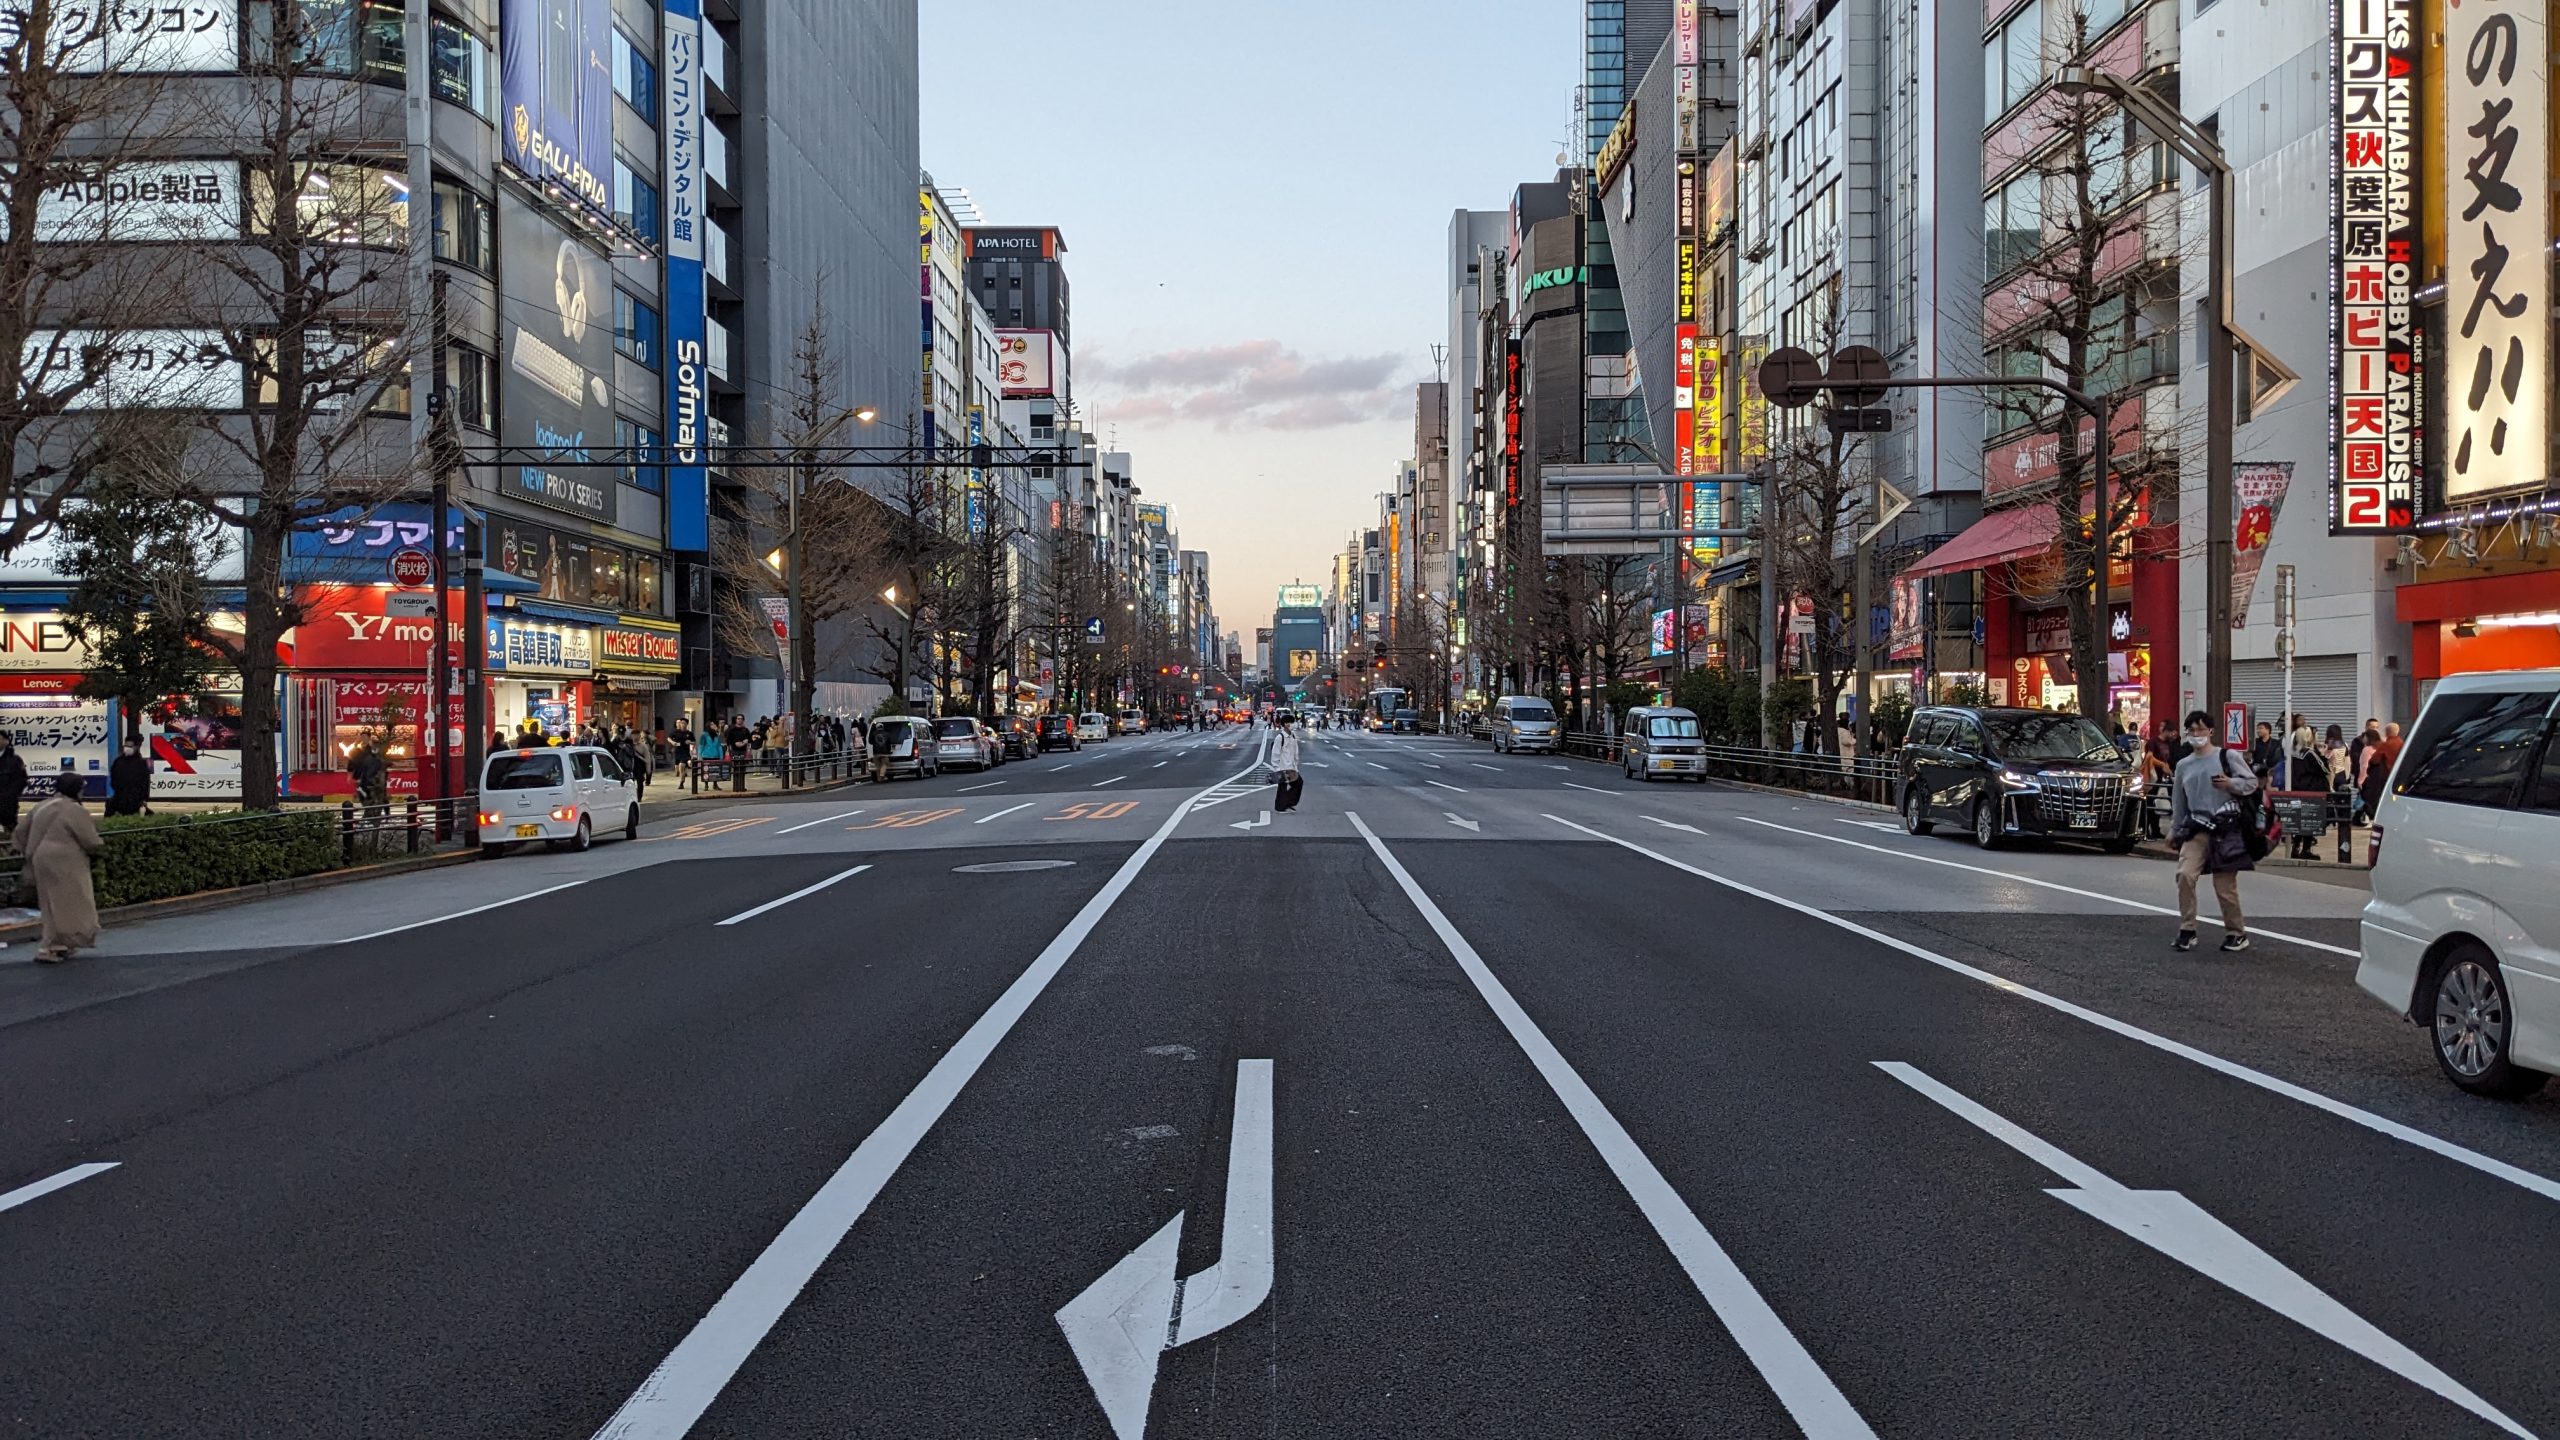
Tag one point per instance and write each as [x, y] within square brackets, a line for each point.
[2204, 794]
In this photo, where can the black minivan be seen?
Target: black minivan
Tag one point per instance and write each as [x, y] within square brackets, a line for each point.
[2010, 774]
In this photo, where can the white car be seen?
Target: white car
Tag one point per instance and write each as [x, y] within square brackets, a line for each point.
[1093, 725]
[962, 740]
[2463, 932]
[565, 794]
[1133, 722]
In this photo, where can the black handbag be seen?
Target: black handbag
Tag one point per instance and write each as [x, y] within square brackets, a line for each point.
[2252, 819]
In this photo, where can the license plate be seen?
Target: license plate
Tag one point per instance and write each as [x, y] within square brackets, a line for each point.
[1661, 764]
[2084, 822]
[528, 831]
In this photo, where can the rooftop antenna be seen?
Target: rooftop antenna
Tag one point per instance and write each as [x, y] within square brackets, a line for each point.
[1439, 360]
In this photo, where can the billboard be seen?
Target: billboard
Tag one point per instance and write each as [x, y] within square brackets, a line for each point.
[555, 319]
[2497, 265]
[680, 106]
[1027, 362]
[1034, 243]
[202, 35]
[137, 369]
[2373, 247]
[555, 84]
[142, 200]
[1300, 597]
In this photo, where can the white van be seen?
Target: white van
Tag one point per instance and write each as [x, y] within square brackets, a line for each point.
[1093, 727]
[564, 794]
[1523, 722]
[2463, 932]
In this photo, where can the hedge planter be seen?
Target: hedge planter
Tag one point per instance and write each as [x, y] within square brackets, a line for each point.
[153, 857]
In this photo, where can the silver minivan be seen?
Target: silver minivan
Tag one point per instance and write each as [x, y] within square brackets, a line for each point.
[1523, 722]
[1663, 740]
[2463, 932]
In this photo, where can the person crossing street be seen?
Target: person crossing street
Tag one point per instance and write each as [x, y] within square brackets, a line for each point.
[1282, 758]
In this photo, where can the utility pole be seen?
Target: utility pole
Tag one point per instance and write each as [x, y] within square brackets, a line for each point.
[803, 651]
[426, 393]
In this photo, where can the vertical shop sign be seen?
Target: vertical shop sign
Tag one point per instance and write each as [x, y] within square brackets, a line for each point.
[2497, 263]
[1511, 423]
[2374, 356]
[689, 479]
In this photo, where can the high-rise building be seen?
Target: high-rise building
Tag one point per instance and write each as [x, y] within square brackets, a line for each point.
[1019, 273]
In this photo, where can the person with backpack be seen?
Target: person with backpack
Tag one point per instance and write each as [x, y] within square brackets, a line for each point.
[1282, 758]
[2209, 819]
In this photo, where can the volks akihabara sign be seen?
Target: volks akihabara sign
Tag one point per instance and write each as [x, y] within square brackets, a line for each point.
[620, 647]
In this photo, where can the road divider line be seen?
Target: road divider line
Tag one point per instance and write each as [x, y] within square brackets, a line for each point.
[1374, 765]
[800, 894]
[1817, 1405]
[2495, 1168]
[989, 785]
[2254, 929]
[458, 914]
[1594, 789]
[1114, 780]
[1445, 785]
[806, 824]
[983, 819]
[1159, 764]
[51, 1183]
[676, 1394]
[1483, 766]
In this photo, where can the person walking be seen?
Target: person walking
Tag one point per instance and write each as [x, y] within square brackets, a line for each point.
[2375, 769]
[2264, 752]
[2204, 823]
[58, 839]
[13, 783]
[1282, 758]
[2152, 767]
[739, 738]
[129, 781]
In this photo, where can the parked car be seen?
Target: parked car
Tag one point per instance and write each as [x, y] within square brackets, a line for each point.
[1058, 732]
[904, 745]
[1019, 738]
[2462, 934]
[1523, 722]
[565, 795]
[1663, 740]
[1093, 725]
[1133, 722]
[2007, 773]
[964, 740]
[1407, 721]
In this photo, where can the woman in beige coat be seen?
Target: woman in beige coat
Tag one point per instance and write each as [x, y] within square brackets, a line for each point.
[58, 837]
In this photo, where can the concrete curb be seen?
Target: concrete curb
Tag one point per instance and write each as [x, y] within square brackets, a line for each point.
[243, 894]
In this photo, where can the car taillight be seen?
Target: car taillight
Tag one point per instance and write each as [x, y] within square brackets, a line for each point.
[2373, 846]
[563, 813]
[490, 817]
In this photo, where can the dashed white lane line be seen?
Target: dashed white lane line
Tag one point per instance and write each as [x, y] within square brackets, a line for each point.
[983, 819]
[51, 1183]
[1159, 764]
[1483, 766]
[807, 824]
[990, 785]
[1372, 764]
[800, 894]
[1594, 789]
[1446, 785]
[1114, 780]
[458, 914]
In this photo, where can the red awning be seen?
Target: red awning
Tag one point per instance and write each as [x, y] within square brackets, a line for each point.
[1999, 536]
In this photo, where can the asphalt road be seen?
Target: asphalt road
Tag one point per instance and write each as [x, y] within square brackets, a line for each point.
[1480, 1096]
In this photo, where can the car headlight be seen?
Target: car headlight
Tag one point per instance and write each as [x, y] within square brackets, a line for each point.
[2012, 779]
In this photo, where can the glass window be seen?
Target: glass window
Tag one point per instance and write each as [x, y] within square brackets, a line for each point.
[635, 76]
[635, 201]
[2546, 781]
[635, 328]
[644, 584]
[608, 769]
[507, 770]
[340, 204]
[1671, 727]
[583, 764]
[471, 382]
[461, 220]
[631, 435]
[2471, 749]
[2013, 60]
[2049, 737]
[461, 72]
[1967, 737]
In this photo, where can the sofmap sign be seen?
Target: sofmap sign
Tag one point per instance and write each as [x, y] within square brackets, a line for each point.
[2497, 262]
[2375, 443]
[556, 313]
[556, 86]
[689, 479]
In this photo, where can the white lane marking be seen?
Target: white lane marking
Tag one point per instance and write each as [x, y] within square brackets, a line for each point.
[1253, 824]
[2254, 929]
[1672, 824]
[1594, 789]
[990, 785]
[983, 819]
[1468, 824]
[795, 895]
[1483, 766]
[1114, 780]
[2499, 1169]
[675, 1395]
[1239, 1280]
[458, 914]
[1159, 764]
[1445, 785]
[1372, 764]
[1319, 764]
[806, 824]
[2177, 1227]
[1818, 1407]
[51, 1183]
[1427, 765]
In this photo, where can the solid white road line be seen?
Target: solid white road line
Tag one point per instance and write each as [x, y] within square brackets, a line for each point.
[983, 819]
[989, 785]
[806, 824]
[458, 914]
[675, 1395]
[1594, 789]
[1446, 785]
[794, 895]
[1114, 780]
[2254, 928]
[2461, 1155]
[1816, 1404]
[51, 1183]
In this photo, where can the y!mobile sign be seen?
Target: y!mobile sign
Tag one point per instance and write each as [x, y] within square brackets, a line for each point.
[688, 480]
[2373, 484]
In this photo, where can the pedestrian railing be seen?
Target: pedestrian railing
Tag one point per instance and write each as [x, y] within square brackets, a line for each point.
[789, 772]
[379, 830]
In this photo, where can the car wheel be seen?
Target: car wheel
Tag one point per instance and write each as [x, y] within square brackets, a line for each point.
[1914, 812]
[494, 849]
[1986, 823]
[631, 824]
[2473, 1024]
[585, 839]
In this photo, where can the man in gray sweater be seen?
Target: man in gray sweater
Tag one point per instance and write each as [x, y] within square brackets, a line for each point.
[2208, 779]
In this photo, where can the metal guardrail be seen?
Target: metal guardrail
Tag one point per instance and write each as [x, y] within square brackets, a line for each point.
[408, 826]
[704, 776]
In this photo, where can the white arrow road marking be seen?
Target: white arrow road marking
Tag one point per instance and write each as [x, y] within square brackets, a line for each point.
[1468, 824]
[1122, 1324]
[2180, 1229]
[51, 1183]
[1252, 824]
[1673, 825]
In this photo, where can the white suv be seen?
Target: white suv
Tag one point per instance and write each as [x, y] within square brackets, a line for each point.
[2463, 932]
[564, 794]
